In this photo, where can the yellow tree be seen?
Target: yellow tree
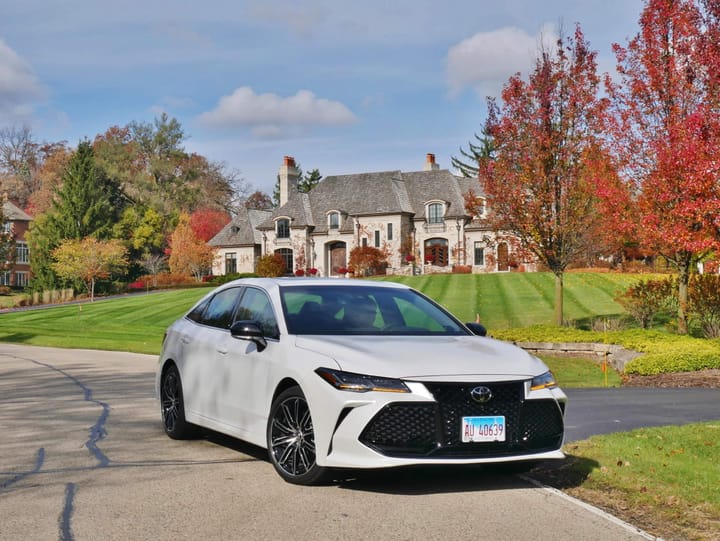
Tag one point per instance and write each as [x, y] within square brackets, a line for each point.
[188, 254]
[88, 260]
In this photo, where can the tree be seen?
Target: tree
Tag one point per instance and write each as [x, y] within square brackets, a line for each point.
[188, 254]
[538, 181]
[154, 263]
[207, 222]
[7, 244]
[19, 160]
[88, 260]
[666, 132]
[367, 260]
[87, 203]
[468, 164]
[259, 201]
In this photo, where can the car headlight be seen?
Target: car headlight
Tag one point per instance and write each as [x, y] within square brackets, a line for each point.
[543, 381]
[359, 383]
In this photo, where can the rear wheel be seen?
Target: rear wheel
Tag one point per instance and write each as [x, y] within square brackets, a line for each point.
[172, 406]
[291, 439]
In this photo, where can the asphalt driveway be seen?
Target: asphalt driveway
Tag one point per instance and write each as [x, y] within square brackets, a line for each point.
[83, 456]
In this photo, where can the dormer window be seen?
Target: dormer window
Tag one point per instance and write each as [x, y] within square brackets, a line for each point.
[334, 220]
[435, 213]
[282, 228]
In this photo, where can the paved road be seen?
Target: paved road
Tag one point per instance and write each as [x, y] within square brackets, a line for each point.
[83, 457]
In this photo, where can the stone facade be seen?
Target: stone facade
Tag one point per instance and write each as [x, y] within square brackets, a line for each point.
[416, 215]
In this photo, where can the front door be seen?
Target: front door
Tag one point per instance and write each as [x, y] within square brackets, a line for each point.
[338, 257]
[502, 256]
[436, 252]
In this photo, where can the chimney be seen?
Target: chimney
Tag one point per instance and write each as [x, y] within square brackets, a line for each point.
[289, 175]
[430, 164]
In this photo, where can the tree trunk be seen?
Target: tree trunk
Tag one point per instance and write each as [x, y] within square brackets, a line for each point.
[683, 281]
[559, 299]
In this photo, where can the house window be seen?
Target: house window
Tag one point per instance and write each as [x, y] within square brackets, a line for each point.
[5, 278]
[283, 228]
[377, 239]
[230, 263]
[364, 241]
[287, 257]
[23, 255]
[7, 227]
[21, 279]
[334, 220]
[479, 254]
[435, 213]
[390, 232]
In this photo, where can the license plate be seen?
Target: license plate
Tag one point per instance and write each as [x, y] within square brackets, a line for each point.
[483, 429]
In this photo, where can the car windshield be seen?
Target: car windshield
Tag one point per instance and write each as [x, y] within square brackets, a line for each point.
[311, 309]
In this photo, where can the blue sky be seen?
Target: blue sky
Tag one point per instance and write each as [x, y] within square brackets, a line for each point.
[342, 86]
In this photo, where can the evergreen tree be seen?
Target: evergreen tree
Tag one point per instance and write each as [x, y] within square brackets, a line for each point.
[87, 204]
[480, 150]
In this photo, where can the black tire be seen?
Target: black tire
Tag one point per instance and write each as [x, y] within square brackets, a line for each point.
[172, 406]
[291, 439]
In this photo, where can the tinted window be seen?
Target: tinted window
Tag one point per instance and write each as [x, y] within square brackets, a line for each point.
[220, 309]
[364, 310]
[256, 306]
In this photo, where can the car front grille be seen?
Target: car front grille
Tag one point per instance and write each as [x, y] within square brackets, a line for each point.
[432, 429]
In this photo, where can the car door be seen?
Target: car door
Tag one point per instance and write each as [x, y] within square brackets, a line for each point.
[246, 371]
[202, 386]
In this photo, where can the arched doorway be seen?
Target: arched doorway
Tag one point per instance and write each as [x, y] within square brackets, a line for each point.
[337, 257]
[502, 257]
[436, 252]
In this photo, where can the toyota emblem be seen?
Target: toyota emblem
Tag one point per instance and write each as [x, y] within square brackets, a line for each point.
[481, 394]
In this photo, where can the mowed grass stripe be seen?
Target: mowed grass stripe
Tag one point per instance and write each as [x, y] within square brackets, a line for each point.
[137, 323]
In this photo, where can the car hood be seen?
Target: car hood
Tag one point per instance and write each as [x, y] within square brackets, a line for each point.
[426, 357]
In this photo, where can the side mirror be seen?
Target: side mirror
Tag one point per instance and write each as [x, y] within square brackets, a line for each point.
[249, 330]
[477, 328]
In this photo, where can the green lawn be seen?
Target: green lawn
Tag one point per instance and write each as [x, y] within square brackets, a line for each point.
[522, 299]
[137, 323]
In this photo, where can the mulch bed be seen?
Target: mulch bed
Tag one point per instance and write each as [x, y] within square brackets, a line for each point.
[701, 378]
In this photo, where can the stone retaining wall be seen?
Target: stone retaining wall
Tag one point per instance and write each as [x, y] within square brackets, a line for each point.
[616, 355]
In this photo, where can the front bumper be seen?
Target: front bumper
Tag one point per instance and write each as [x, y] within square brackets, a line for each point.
[424, 427]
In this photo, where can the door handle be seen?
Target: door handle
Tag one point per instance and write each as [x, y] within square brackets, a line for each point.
[222, 351]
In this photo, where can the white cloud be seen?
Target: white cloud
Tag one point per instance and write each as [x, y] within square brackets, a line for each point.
[268, 114]
[19, 87]
[487, 60]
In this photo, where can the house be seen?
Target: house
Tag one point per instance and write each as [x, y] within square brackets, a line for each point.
[17, 223]
[418, 219]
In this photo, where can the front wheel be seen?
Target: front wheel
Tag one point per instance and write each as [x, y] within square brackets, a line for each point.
[172, 406]
[291, 439]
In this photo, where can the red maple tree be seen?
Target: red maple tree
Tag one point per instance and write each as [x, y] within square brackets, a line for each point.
[207, 222]
[537, 179]
[666, 132]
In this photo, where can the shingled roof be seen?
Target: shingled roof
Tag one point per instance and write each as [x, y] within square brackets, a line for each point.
[242, 229]
[14, 214]
[371, 194]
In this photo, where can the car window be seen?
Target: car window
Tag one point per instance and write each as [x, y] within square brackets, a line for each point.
[364, 310]
[255, 305]
[196, 314]
[220, 308]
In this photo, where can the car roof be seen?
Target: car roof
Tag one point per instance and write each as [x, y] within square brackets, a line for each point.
[272, 283]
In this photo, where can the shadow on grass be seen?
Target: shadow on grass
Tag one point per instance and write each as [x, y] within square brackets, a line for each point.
[17, 338]
[568, 473]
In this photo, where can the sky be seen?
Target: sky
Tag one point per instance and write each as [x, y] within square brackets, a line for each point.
[344, 87]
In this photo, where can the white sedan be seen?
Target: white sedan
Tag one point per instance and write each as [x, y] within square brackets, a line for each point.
[336, 373]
